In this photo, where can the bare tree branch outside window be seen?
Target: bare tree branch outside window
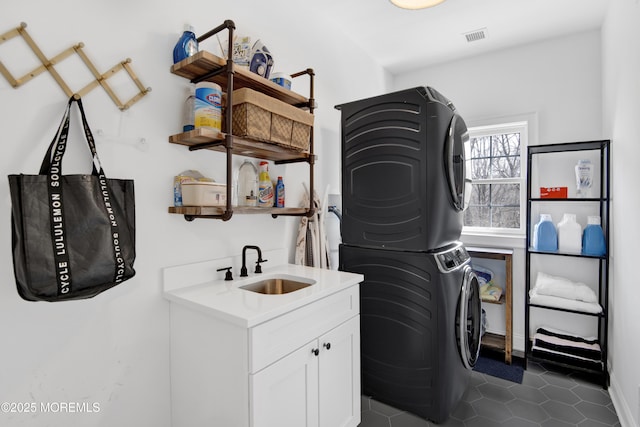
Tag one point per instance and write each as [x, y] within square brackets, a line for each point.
[495, 204]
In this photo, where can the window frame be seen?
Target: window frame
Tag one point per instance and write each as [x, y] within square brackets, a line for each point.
[523, 126]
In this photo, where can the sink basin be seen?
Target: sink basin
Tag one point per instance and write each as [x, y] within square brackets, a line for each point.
[276, 286]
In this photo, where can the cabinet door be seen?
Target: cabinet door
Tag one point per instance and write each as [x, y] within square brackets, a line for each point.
[339, 375]
[285, 394]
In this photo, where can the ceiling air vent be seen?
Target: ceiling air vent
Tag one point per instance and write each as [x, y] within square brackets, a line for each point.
[476, 35]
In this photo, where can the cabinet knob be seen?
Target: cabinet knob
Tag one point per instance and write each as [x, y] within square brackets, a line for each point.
[315, 351]
[327, 345]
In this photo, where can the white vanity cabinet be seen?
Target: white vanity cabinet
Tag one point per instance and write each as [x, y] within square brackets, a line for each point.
[298, 368]
[316, 385]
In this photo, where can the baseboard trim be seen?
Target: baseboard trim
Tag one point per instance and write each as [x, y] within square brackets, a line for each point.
[625, 416]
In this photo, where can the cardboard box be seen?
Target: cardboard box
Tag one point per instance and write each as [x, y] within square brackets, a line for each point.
[204, 194]
[553, 192]
[261, 117]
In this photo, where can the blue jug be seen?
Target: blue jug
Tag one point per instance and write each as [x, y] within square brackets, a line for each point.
[593, 242]
[545, 235]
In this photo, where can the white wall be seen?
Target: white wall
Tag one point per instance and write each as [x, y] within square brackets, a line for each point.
[113, 350]
[621, 89]
[556, 83]
[559, 79]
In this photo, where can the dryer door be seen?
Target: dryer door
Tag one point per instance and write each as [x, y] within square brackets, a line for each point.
[457, 163]
[468, 319]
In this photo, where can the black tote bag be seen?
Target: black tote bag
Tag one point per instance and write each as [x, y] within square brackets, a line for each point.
[73, 236]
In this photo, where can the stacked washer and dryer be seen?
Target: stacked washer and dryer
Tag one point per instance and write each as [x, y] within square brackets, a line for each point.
[405, 185]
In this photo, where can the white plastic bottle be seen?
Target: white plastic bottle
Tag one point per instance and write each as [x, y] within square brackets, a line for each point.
[188, 118]
[247, 185]
[584, 179]
[569, 235]
[265, 187]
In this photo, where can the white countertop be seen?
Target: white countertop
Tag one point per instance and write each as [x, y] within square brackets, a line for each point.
[226, 301]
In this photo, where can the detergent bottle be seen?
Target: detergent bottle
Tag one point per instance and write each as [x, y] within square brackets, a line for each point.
[593, 242]
[187, 45]
[265, 186]
[569, 235]
[545, 236]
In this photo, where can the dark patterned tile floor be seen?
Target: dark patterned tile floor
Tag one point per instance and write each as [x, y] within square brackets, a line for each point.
[546, 398]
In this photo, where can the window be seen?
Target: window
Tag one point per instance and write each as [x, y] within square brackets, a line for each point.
[498, 178]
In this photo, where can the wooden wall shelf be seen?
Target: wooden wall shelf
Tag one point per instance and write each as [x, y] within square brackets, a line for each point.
[205, 66]
[203, 138]
[214, 210]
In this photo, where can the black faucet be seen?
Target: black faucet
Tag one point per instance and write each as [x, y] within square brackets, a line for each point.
[228, 275]
[243, 270]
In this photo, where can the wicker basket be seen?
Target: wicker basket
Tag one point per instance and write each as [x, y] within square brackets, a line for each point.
[261, 117]
[251, 121]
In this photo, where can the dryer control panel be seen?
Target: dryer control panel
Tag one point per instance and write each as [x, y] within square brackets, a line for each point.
[452, 259]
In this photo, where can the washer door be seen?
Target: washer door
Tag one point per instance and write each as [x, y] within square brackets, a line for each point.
[457, 163]
[468, 319]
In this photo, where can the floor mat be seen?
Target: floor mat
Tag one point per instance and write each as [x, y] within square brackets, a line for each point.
[497, 368]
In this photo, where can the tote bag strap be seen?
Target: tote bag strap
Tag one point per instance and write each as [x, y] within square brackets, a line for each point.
[118, 258]
[61, 134]
[61, 137]
[52, 167]
[97, 166]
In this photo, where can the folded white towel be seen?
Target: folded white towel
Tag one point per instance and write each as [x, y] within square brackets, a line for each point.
[564, 288]
[569, 304]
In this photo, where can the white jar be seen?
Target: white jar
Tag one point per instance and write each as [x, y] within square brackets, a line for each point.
[281, 79]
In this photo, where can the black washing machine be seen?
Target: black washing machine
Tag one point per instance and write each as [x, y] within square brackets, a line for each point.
[404, 171]
[420, 326]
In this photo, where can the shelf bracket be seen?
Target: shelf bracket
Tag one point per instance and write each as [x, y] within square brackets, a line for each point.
[226, 216]
[309, 213]
[228, 25]
[206, 145]
[309, 159]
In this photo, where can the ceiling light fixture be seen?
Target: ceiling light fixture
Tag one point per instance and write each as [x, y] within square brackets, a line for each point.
[416, 4]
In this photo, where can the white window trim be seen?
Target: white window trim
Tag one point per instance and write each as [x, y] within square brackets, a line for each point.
[505, 124]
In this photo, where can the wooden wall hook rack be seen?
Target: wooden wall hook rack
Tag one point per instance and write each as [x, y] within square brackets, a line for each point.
[48, 64]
